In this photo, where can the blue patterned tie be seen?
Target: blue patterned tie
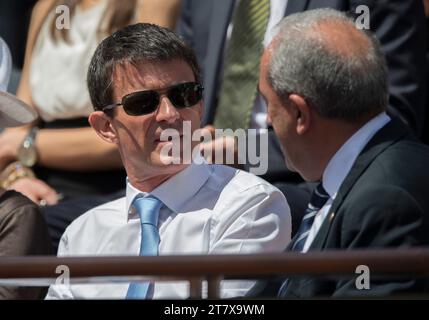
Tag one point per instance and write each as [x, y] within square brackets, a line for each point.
[317, 201]
[148, 210]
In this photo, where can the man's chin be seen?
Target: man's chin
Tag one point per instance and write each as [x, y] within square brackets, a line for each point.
[289, 165]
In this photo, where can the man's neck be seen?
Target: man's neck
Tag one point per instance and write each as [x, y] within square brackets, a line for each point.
[337, 136]
[149, 183]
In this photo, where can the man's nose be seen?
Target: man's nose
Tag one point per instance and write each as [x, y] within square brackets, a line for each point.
[166, 111]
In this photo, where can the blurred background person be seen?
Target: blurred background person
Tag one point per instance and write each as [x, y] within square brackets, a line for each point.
[23, 230]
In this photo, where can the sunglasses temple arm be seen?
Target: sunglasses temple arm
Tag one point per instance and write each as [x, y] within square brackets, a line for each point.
[111, 106]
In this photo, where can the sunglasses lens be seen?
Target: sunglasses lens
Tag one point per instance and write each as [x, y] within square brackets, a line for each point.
[140, 103]
[185, 95]
[144, 102]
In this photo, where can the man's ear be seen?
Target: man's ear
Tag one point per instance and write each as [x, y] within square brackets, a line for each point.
[302, 113]
[102, 124]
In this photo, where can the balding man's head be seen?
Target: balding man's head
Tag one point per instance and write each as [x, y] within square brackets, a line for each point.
[338, 69]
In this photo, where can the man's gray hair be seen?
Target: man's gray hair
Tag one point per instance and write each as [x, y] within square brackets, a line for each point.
[338, 85]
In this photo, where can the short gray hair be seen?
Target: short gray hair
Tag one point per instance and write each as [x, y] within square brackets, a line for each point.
[338, 86]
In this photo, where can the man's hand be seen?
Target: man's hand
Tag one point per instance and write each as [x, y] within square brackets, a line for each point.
[10, 140]
[226, 144]
[36, 190]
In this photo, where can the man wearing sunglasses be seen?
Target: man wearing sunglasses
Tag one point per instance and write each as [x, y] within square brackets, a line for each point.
[144, 80]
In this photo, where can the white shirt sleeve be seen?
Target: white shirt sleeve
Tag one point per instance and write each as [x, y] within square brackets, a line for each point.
[259, 221]
[60, 291]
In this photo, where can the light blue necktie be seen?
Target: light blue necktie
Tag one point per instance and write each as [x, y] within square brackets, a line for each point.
[148, 210]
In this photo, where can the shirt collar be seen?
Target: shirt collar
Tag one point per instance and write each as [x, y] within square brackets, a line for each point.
[340, 164]
[177, 190]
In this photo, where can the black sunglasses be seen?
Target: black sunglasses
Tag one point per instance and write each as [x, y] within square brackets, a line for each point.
[183, 95]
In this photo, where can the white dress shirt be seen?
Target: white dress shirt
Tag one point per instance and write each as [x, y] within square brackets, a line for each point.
[209, 209]
[339, 167]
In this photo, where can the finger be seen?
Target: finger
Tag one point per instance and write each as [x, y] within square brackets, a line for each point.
[32, 197]
[47, 194]
[50, 197]
[210, 129]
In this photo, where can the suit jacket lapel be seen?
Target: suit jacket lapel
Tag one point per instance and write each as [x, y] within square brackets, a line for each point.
[389, 134]
[220, 18]
[294, 6]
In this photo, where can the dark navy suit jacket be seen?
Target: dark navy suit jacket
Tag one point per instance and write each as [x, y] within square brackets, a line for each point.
[382, 203]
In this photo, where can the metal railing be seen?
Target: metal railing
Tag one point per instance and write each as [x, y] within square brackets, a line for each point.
[214, 268]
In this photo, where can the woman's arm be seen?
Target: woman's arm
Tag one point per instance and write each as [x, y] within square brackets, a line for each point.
[77, 149]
